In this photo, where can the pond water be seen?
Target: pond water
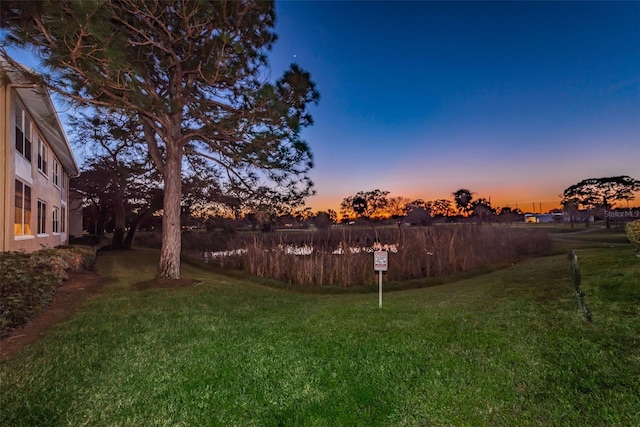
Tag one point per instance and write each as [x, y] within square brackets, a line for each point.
[306, 250]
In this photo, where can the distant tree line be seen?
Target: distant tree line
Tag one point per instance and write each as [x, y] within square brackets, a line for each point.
[122, 194]
[376, 205]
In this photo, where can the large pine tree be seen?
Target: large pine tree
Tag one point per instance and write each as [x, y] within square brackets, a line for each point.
[194, 72]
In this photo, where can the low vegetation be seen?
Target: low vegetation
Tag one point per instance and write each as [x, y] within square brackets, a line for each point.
[28, 281]
[505, 348]
[342, 257]
[633, 233]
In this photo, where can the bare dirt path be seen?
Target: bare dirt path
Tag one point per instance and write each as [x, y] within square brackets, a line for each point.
[69, 296]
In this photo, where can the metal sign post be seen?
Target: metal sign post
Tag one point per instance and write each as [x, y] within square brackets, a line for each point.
[380, 263]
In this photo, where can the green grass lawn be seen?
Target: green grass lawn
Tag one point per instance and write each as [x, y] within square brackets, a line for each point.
[505, 348]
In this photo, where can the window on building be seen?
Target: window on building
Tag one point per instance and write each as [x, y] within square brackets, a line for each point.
[56, 173]
[55, 218]
[42, 156]
[63, 220]
[23, 133]
[22, 220]
[42, 217]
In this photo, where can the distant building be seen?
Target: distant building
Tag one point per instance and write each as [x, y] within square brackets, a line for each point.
[36, 163]
[542, 218]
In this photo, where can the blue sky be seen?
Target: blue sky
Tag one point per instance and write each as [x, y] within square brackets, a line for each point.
[513, 100]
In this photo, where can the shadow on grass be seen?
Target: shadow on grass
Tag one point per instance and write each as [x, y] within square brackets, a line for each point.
[160, 283]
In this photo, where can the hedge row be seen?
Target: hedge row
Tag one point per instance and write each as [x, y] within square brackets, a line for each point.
[28, 281]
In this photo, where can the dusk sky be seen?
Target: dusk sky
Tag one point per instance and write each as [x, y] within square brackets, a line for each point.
[513, 100]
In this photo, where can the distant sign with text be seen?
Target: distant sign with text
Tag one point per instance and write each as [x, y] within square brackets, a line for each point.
[622, 214]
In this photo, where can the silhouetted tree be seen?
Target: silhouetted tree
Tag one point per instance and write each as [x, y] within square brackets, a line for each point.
[397, 206]
[418, 203]
[396, 209]
[508, 214]
[440, 208]
[89, 187]
[115, 161]
[333, 215]
[322, 220]
[593, 192]
[122, 195]
[364, 204]
[360, 206]
[482, 210]
[462, 199]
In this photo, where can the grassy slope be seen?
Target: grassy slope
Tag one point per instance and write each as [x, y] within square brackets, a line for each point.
[506, 348]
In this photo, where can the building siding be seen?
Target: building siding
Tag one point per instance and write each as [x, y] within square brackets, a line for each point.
[5, 191]
[14, 166]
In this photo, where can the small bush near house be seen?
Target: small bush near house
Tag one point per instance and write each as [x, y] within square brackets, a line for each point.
[28, 281]
[77, 257]
[633, 233]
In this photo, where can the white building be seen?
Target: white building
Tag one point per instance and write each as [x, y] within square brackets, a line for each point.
[540, 218]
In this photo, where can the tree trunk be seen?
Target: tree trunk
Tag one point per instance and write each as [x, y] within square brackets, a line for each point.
[117, 241]
[100, 223]
[120, 221]
[169, 266]
[133, 227]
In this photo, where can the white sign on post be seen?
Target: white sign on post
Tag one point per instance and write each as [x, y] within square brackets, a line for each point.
[380, 260]
[380, 264]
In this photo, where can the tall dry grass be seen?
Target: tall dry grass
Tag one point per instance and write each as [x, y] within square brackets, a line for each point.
[419, 252]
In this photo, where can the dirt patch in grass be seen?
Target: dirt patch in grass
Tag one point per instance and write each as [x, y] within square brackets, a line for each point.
[159, 283]
[69, 296]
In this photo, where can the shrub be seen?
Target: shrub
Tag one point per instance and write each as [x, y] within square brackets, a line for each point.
[28, 281]
[78, 257]
[633, 233]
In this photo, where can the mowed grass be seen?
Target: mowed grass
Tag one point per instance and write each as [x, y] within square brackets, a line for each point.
[505, 348]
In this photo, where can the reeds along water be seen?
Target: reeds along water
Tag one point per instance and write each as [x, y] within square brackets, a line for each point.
[343, 257]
